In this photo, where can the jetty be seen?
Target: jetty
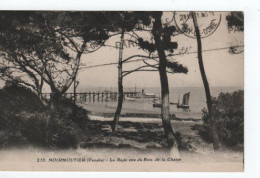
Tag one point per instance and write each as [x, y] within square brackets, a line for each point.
[104, 96]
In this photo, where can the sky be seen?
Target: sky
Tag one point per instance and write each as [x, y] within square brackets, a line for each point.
[222, 68]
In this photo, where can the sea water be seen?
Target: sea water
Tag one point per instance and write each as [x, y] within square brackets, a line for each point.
[197, 101]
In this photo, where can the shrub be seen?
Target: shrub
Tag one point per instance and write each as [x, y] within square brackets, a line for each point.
[23, 121]
[229, 115]
[17, 98]
[184, 143]
[66, 128]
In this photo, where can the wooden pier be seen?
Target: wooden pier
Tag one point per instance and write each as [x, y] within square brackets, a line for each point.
[105, 96]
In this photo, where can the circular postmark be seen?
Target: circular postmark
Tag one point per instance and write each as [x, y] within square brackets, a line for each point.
[208, 23]
[93, 46]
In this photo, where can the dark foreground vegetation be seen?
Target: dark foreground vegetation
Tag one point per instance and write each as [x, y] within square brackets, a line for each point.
[24, 120]
[229, 114]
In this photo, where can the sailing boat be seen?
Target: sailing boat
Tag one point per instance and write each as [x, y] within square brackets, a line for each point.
[157, 102]
[185, 101]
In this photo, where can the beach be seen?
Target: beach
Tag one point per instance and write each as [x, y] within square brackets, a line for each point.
[137, 139]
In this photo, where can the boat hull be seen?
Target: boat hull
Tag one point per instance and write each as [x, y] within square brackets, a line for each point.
[156, 105]
[173, 103]
[183, 106]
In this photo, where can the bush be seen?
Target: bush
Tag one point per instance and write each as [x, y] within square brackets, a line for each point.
[66, 128]
[184, 143]
[24, 120]
[229, 115]
[16, 98]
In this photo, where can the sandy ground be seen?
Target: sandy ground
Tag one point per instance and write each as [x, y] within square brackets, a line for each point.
[139, 145]
[101, 109]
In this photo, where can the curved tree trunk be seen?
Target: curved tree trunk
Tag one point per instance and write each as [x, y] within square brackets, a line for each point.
[212, 121]
[165, 104]
[75, 69]
[114, 125]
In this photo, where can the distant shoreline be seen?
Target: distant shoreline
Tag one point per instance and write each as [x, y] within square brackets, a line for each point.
[143, 116]
[138, 87]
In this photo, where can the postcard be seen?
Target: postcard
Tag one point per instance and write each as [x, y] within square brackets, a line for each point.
[125, 91]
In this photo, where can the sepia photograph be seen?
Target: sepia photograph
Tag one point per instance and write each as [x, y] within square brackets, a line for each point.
[125, 91]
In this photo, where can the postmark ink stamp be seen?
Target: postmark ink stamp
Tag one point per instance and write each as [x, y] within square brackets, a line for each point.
[208, 23]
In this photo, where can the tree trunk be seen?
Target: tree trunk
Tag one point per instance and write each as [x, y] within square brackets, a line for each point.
[165, 104]
[55, 100]
[212, 121]
[75, 69]
[43, 100]
[114, 125]
[39, 92]
[75, 86]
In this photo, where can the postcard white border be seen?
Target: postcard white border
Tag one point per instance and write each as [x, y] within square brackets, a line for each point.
[251, 9]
